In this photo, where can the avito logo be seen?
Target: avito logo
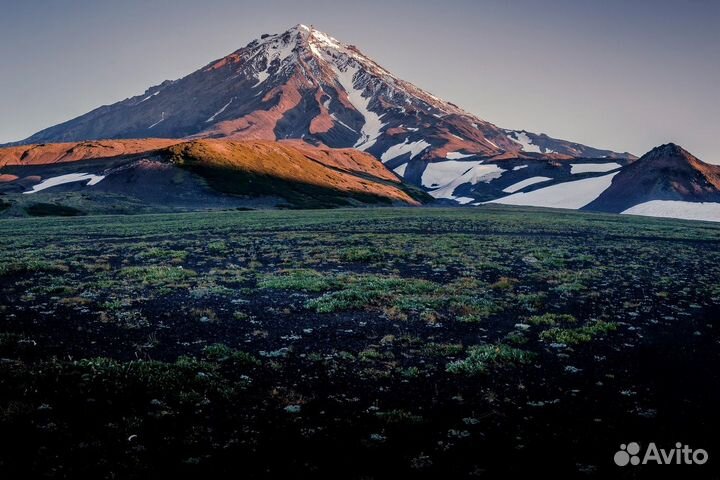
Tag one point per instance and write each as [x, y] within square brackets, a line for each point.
[680, 455]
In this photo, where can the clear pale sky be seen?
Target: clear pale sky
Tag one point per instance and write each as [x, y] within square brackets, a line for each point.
[625, 75]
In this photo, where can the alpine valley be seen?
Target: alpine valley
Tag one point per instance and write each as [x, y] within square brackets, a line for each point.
[302, 120]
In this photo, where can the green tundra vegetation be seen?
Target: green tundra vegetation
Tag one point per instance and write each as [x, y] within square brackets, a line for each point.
[360, 343]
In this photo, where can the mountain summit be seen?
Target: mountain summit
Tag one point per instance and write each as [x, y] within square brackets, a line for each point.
[305, 84]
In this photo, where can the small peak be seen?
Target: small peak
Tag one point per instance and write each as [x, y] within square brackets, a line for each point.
[669, 152]
[670, 149]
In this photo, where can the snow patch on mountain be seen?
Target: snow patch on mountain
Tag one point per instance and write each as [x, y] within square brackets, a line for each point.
[371, 129]
[219, 111]
[525, 142]
[261, 77]
[488, 141]
[708, 211]
[162, 118]
[281, 50]
[325, 40]
[334, 117]
[457, 155]
[148, 97]
[525, 183]
[414, 148]
[570, 195]
[437, 174]
[593, 167]
[276, 50]
[68, 178]
[473, 175]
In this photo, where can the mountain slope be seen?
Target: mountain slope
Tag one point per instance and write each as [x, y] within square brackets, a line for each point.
[299, 173]
[667, 172]
[130, 176]
[44, 154]
[666, 182]
[304, 84]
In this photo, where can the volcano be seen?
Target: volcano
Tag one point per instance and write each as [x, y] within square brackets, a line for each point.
[305, 84]
[325, 99]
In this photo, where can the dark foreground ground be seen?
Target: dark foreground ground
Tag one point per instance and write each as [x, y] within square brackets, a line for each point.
[388, 343]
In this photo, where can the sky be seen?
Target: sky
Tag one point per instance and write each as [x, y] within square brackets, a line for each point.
[624, 75]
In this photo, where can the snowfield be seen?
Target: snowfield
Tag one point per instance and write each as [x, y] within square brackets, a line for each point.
[371, 129]
[593, 167]
[525, 183]
[708, 211]
[69, 178]
[414, 148]
[571, 195]
[524, 141]
[441, 173]
[473, 175]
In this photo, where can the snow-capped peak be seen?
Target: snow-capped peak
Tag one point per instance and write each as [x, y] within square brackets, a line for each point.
[325, 50]
[316, 36]
[305, 84]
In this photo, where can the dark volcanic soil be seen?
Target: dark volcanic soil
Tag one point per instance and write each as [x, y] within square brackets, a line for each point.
[335, 344]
